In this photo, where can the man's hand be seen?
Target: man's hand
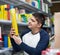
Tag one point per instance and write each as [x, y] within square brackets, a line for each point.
[12, 32]
[16, 38]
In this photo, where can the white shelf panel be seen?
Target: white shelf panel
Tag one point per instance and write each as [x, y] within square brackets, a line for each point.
[5, 22]
[9, 22]
[12, 2]
[5, 49]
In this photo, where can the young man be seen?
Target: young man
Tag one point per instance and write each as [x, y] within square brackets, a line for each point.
[34, 40]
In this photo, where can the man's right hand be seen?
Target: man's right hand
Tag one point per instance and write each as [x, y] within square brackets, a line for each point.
[12, 32]
[16, 38]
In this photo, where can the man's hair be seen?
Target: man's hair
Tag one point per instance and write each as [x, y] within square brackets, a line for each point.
[39, 17]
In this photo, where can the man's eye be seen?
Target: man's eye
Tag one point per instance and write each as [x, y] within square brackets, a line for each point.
[32, 20]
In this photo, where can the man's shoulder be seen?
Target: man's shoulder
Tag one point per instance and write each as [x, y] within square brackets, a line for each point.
[44, 33]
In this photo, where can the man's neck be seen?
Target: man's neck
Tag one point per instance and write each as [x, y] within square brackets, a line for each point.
[35, 31]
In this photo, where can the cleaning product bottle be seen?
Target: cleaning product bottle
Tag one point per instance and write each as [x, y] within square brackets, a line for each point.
[14, 21]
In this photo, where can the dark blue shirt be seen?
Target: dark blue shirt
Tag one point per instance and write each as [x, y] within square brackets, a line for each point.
[42, 45]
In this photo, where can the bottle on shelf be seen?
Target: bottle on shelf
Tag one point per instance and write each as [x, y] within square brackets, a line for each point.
[1, 40]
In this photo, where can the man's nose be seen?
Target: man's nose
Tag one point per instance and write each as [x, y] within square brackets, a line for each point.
[29, 20]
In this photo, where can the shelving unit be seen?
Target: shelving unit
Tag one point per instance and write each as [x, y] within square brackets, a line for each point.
[9, 22]
[24, 5]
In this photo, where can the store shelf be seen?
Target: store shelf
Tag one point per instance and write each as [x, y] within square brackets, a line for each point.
[51, 38]
[11, 2]
[22, 24]
[5, 22]
[46, 26]
[56, 1]
[23, 5]
[2, 50]
[9, 22]
[19, 23]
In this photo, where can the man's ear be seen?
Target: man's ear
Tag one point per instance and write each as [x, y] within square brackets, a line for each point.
[39, 24]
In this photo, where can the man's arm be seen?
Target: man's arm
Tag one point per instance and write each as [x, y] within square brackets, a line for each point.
[15, 46]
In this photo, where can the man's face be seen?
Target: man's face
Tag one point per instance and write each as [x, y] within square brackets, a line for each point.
[32, 23]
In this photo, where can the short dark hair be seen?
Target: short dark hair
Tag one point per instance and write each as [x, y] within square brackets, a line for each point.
[39, 17]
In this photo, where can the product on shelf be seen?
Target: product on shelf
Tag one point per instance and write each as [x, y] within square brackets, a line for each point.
[8, 9]
[17, 13]
[50, 51]
[1, 41]
[24, 18]
[46, 8]
[9, 42]
[43, 6]
[5, 39]
[4, 12]
[52, 19]
[47, 22]
[28, 1]
[28, 16]
[5, 16]
[1, 12]
[19, 17]
[58, 53]
[22, 11]
[0, 35]
[35, 4]
[39, 4]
